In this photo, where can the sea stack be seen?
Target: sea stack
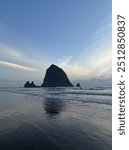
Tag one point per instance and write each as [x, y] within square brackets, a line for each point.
[56, 77]
[78, 85]
[29, 85]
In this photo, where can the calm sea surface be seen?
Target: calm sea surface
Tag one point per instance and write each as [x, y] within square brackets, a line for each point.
[55, 119]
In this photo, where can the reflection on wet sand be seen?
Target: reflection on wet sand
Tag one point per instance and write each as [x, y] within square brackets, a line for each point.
[53, 107]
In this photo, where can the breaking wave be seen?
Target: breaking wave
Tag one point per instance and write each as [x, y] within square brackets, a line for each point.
[90, 95]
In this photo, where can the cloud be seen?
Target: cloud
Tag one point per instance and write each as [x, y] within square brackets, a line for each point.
[101, 64]
[16, 66]
[98, 64]
[76, 71]
[102, 30]
[93, 61]
[96, 58]
[64, 61]
[21, 57]
[8, 51]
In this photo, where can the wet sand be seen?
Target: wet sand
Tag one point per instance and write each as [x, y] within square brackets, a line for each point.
[30, 122]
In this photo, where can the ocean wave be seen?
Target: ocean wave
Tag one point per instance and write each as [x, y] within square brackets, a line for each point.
[100, 96]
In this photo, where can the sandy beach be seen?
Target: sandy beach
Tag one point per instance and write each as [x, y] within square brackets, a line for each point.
[60, 120]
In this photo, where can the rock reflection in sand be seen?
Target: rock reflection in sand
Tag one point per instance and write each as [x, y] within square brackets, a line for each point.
[53, 106]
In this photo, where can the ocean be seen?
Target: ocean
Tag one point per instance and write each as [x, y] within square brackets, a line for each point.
[56, 118]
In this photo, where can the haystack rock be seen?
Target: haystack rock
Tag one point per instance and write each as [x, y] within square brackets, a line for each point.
[56, 77]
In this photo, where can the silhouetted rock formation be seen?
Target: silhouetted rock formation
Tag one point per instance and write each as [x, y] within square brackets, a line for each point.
[56, 77]
[29, 85]
[78, 85]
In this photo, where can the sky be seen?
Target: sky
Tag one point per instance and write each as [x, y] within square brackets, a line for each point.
[73, 34]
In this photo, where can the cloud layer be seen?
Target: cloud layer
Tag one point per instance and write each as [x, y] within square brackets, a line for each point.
[95, 60]
[16, 66]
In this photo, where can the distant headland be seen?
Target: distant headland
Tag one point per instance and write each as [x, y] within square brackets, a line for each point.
[54, 77]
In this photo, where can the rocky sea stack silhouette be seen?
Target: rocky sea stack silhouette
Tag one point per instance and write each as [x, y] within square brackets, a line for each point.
[56, 77]
[78, 85]
[29, 85]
